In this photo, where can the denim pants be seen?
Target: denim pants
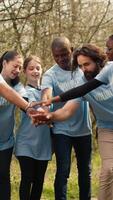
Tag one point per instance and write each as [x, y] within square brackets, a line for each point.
[63, 147]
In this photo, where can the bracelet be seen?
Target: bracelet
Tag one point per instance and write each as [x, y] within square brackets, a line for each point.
[28, 106]
[56, 99]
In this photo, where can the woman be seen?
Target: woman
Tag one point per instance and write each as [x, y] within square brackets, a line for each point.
[10, 66]
[33, 144]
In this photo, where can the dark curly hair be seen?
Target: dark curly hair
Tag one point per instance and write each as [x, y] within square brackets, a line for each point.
[92, 51]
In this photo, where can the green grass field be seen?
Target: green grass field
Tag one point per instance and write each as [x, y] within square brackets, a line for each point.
[48, 193]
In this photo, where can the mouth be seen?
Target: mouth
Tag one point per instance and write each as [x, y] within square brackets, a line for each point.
[14, 75]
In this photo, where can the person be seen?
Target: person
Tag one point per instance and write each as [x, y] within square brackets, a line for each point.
[109, 48]
[11, 95]
[97, 72]
[33, 144]
[74, 132]
[10, 65]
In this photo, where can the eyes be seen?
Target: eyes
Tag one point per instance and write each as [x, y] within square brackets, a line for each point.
[84, 65]
[31, 68]
[17, 67]
[109, 49]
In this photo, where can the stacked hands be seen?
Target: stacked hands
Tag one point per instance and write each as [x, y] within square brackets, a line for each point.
[39, 112]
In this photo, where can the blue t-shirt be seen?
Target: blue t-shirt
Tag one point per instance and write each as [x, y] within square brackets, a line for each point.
[1, 79]
[31, 141]
[106, 74]
[101, 99]
[7, 119]
[59, 81]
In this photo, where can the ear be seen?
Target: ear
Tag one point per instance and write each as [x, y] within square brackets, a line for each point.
[4, 63]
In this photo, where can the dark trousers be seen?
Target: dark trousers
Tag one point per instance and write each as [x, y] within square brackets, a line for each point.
[5, 161]
[32, 177]
[63, 148]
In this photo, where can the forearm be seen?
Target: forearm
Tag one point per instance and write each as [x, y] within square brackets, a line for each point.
[12, 96]
[46, 94]
[60, 115]
[78, 91]
[66, 111]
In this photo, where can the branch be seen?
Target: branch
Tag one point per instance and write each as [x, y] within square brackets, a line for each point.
[99, 24]
[29, 15]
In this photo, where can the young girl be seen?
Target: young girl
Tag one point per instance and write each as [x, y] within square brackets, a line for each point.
[10, 66]
[33, 144]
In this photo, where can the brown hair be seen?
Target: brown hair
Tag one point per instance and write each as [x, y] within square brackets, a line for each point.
[28, 59]
[92, 51]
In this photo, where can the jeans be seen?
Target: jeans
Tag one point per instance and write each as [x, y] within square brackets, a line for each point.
[5, 186]
[63, 147]
[32, 177]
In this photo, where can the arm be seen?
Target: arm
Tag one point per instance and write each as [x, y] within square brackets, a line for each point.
[63, 113]
[46, 94]
[11, 95]
[78, 91]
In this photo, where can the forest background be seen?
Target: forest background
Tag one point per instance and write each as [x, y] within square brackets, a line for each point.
[29, 26]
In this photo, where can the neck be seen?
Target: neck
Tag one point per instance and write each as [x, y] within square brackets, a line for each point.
[67, 68]
[6, 78]
[34, 84]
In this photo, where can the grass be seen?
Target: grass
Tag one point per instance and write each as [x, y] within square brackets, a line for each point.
[48, 193]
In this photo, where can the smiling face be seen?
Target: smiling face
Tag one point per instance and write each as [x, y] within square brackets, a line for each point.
[33, 72]
[62, 57]
[12, 68]
[88, 66]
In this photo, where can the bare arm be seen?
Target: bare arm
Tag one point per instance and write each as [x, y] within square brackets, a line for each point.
[11, 95]
[46, 94]
[65, 112]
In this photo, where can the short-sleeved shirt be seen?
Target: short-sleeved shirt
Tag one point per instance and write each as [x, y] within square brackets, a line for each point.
[7, 119]
[59, 81]
[106, 74]
[1, 79]
[31, 141]
[101, 99]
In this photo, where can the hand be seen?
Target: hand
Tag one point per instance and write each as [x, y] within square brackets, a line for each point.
[38, 116]
[41, 117]
[43, 103]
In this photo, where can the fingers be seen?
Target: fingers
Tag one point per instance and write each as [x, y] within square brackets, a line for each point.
[39, 116]
[42, 103]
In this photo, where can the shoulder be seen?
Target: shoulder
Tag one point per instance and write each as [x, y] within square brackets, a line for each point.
[52, 70]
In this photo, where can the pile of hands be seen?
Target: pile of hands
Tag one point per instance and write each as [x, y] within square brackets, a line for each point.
[40, 114]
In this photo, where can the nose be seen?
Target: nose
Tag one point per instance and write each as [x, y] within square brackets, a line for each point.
[18, 70]
[35, 70]
[83, 68]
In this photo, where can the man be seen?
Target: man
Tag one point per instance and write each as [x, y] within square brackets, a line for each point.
[91, 59]
[74, 132]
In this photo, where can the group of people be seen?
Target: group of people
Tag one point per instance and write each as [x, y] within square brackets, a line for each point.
[78, 71]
